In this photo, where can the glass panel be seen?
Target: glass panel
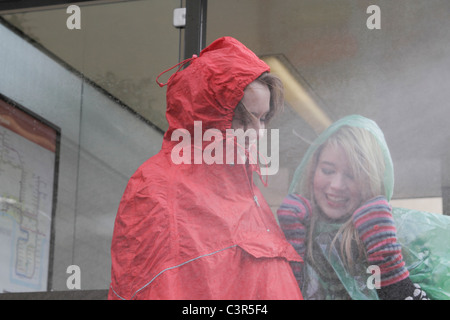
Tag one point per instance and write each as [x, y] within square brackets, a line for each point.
[111, 119]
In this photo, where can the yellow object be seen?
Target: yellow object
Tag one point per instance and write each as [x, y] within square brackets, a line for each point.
[297, 97]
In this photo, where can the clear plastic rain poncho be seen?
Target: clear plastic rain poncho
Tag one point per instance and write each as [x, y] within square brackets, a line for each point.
[424, 236]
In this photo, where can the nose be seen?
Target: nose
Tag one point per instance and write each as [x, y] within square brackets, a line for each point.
[256, 125]
[338, 182]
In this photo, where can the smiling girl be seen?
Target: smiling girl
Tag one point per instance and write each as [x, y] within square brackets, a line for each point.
[338, 218]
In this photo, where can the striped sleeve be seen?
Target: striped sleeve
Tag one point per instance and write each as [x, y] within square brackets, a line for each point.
[293, 215]
[375, 226]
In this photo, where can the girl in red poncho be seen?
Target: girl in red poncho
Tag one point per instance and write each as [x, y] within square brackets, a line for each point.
[204, 231]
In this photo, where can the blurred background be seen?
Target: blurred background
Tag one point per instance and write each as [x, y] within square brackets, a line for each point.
[95, 88]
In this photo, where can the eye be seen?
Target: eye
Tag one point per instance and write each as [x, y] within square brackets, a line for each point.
[327, 171]
[350, 176]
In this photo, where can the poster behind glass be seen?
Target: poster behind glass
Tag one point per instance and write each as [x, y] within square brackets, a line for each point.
[29, 147]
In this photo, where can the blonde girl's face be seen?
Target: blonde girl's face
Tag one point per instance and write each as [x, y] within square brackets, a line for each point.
[335, 189]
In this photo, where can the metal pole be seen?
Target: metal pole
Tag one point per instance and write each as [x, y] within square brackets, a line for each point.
[195, 31]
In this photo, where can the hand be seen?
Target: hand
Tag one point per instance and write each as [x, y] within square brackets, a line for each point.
[296, 206]
[375, 226]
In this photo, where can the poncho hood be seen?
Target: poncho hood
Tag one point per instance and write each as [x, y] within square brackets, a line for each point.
[352, 121]
[209, 89]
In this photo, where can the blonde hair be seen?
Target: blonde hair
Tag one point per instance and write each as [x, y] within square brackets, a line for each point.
[367, 165]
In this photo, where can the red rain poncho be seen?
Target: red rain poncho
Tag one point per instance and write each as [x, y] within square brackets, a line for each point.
[199, 231]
